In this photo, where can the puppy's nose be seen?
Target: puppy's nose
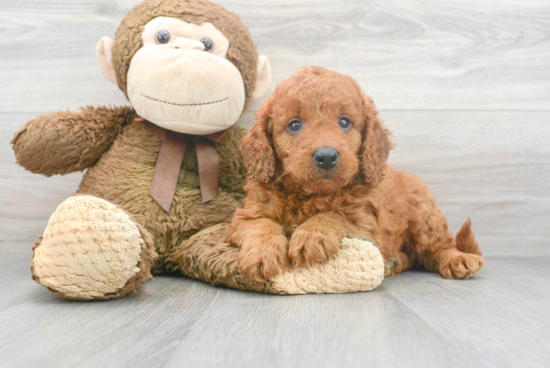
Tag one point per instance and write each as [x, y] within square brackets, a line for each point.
[325, 158]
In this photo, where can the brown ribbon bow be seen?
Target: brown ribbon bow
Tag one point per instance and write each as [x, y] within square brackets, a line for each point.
[167, 169]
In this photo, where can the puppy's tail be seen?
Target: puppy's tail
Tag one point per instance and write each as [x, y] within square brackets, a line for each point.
[465, 239]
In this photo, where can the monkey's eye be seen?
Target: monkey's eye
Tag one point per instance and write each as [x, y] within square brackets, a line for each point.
[295, 126]
[344, 122]
[207, 43]
[163, 37]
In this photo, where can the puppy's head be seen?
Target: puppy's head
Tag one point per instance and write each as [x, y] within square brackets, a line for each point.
[317, 130]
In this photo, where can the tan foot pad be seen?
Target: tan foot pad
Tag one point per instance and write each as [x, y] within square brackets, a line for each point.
[90, 248]
[358, 266]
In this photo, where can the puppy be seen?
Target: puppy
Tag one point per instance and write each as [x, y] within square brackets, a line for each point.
[317, 169]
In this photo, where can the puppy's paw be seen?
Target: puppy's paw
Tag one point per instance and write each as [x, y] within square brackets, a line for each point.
[460, 265]
[309, 245]
[264, 258]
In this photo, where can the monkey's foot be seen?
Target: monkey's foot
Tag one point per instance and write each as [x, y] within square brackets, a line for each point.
[358, 266]
[92, 250]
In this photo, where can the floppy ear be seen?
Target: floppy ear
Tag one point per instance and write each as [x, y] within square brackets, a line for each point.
[256, 147]
[376, 144]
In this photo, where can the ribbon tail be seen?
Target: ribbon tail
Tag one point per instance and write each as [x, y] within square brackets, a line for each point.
[209, 169]
[167, 169]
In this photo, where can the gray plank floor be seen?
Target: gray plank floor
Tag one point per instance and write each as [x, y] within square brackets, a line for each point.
[416, 319]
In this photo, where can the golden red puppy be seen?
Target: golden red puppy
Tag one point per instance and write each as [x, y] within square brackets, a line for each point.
[317, 164]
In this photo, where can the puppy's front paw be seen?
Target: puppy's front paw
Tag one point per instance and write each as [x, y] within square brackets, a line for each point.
[309, 245]
[264, 257]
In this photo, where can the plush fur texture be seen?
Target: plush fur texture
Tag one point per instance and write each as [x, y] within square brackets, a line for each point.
[68, 141]
[358, 266]
[123, 176]
[297, 214]
[92, 249]
[242, 50]
[120, 154]
[207, 256]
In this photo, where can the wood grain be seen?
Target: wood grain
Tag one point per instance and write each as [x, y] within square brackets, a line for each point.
[417, 319]
[458, 54]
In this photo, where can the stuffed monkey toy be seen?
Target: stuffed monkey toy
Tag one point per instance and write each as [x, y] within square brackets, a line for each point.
[165, 175]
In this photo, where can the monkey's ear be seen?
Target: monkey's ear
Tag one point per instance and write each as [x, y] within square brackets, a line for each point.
[256, 147]
[264, 76]
[104, 54]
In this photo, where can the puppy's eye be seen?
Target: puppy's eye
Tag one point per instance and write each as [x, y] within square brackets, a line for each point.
[208, 44]
[294, 126]
[163, 37]
[344, 123]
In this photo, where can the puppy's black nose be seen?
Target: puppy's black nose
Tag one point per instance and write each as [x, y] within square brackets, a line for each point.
[325, 158]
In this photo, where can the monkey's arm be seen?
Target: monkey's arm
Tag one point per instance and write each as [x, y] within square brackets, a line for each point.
[66, 141]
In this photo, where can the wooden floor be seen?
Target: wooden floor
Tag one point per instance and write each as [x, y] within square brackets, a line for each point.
[416, 319]
[464, 86]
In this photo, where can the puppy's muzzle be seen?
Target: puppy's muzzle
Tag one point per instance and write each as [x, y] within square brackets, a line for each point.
[325, 158]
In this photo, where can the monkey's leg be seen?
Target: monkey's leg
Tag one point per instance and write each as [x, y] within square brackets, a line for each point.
[207, 256]
[92, 250]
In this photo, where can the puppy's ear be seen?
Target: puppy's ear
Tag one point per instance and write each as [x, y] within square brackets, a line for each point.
[257, 149]
[376, 144]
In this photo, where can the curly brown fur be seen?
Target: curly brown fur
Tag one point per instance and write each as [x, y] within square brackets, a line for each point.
[294, 207]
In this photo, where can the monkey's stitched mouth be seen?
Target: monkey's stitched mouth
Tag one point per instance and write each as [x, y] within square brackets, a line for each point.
[180, 104]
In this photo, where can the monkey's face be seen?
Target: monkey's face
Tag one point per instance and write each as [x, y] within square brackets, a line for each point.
[181, 80]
